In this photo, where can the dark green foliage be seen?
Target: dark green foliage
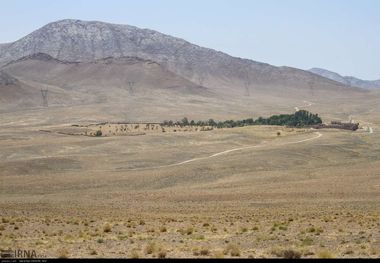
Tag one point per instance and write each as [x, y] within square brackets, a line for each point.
[98, 133]
[299, 119]
[185, 122]
[212, 123]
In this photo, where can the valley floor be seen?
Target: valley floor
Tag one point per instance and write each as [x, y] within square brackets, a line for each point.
[243, 192]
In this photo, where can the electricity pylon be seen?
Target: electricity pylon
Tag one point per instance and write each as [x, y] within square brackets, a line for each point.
[44, 93]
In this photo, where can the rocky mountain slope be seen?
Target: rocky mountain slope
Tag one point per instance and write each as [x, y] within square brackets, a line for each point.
[80, 41]
[116, 70]
[349, 81]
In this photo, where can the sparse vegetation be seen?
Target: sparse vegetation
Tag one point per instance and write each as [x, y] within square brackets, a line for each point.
[63, 253]
[325, 254]
[107, 228]
[134, 254]
[291, 254]
[150, 248]
[233, 250]
[187, 209]
[205, 252]
[286, 253]
[162, 254]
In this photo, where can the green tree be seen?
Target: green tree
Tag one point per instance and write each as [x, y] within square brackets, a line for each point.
[185, 122]
[212, 123]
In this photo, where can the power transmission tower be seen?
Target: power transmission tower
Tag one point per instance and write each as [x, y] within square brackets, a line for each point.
[131, 85]
[247, 92]
[201, 79]
[247, 84]
[44, 93]
[311, 86]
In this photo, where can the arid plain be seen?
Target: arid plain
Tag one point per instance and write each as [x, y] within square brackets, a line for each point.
[257, 191]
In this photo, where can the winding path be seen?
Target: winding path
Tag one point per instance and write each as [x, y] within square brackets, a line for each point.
[319, 135]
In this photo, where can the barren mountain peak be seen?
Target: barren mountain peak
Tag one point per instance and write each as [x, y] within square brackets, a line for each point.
[87, 43]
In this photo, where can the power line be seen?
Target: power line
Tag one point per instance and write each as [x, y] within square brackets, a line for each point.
[44, 93]
[247, 84]
[131, 85]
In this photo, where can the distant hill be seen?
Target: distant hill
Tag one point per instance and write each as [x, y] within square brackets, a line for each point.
[121, 69]
[349, 81]
[16, 94]
[109, 79]
[82, 41]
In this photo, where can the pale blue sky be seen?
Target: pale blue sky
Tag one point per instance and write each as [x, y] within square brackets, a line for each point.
[340, 35]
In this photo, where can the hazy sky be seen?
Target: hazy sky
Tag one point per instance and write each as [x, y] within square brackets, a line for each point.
[340, 35]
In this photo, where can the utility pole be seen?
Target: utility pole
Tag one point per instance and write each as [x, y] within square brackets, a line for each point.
[131, 85]
[247, 84]
[311, 86]
[201, 79]
[44, 93]
[247, 92]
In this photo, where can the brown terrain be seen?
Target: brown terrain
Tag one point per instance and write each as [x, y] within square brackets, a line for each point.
[137, 191]
[242, 192]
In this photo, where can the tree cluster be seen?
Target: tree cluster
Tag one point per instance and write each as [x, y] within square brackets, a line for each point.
[299, 119]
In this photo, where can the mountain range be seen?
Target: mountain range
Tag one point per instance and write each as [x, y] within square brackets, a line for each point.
[347, 80]
[109, 66]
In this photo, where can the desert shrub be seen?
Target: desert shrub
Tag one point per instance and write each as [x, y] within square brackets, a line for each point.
[107, 228]
[307, 241]
[205, 252]
[244, 229]
[189, 230]
[134, 254]
[162, 254]
[233, 250]
[199, 237]
[98, 133]
[325, 254]
[286, 253]
[218, 254]
[150, 248]
[62, 253]
[291, 254]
